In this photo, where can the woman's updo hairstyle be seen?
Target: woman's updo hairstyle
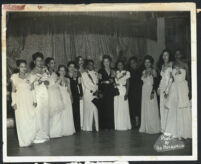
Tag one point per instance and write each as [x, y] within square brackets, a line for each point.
[48, 60]
[106, 57]
[20, 61]
[37, 55]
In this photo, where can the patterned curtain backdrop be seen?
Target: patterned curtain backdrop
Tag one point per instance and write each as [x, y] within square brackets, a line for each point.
[93, 34]
[65, 47]
[90, 35]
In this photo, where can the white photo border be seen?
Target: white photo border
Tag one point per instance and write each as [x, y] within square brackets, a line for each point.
[191, 7]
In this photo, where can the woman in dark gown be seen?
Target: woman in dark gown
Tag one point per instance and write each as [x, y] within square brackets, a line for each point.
[77, 93]
[134, 94]
[106, 85]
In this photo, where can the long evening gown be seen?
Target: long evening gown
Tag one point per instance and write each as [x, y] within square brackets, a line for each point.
[179, 116]
[163, 86]
[106, 113]
[25, 113]
[179, 119]
[121, 107]
[42, 109]
[56, 106]
[67, 120]
[150, 122]
[135, 94]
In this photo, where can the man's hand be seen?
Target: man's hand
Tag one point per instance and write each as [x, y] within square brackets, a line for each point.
[152, 95]
[15, 106]
[35, 104]
[126, 97]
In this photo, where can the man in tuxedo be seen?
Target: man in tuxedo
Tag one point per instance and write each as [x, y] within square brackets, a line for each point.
[77, 93]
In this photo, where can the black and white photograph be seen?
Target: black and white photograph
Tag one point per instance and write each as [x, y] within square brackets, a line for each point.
[104, 82]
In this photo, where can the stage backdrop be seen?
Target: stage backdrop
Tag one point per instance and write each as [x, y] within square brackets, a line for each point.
[93, 34]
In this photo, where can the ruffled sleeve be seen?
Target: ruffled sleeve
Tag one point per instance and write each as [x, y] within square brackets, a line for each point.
[128, 75]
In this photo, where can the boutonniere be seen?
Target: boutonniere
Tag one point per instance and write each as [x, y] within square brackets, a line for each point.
[28, 81]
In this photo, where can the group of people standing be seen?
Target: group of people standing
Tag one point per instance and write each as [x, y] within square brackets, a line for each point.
[53, 103]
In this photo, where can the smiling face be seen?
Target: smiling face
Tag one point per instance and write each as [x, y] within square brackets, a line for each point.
[106, 63]
[38, 62]
[62, 71]
[80, 61]
[120, 66]
[90, 66]
[71, 68]
[166, 57]
[22, 68]
[147, 63]
[51, 64]
[75, 73]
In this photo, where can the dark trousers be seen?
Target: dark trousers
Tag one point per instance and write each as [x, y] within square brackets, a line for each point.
[76, 115]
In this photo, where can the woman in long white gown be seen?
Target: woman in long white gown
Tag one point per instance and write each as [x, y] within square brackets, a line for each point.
[179, 121]
[24, 105]
[121, 107]
[56, 105]
[67, 127]
[39, 80]
[165, 68]
[90, 111]
[150, 122]
[179, 116]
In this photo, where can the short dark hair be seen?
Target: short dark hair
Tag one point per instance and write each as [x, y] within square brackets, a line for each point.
[71, 62]
[48, 60]
[61, 66]
[148, 57]
[119, 61]
[89, 61]
[105, 57]
[132, 58]
[77, 59]
[20, 61]
[37, 55]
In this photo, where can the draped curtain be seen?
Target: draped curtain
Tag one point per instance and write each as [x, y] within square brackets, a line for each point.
[65, 47]
[90, 35]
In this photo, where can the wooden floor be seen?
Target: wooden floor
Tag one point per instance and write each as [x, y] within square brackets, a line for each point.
[104, 143]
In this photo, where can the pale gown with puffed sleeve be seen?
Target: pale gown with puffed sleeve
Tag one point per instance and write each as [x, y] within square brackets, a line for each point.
[25, 115]
[179, 120]
[121, 107]
[56, 106]
[42, 109]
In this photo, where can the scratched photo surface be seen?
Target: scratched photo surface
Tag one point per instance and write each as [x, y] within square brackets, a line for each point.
[99, 81]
